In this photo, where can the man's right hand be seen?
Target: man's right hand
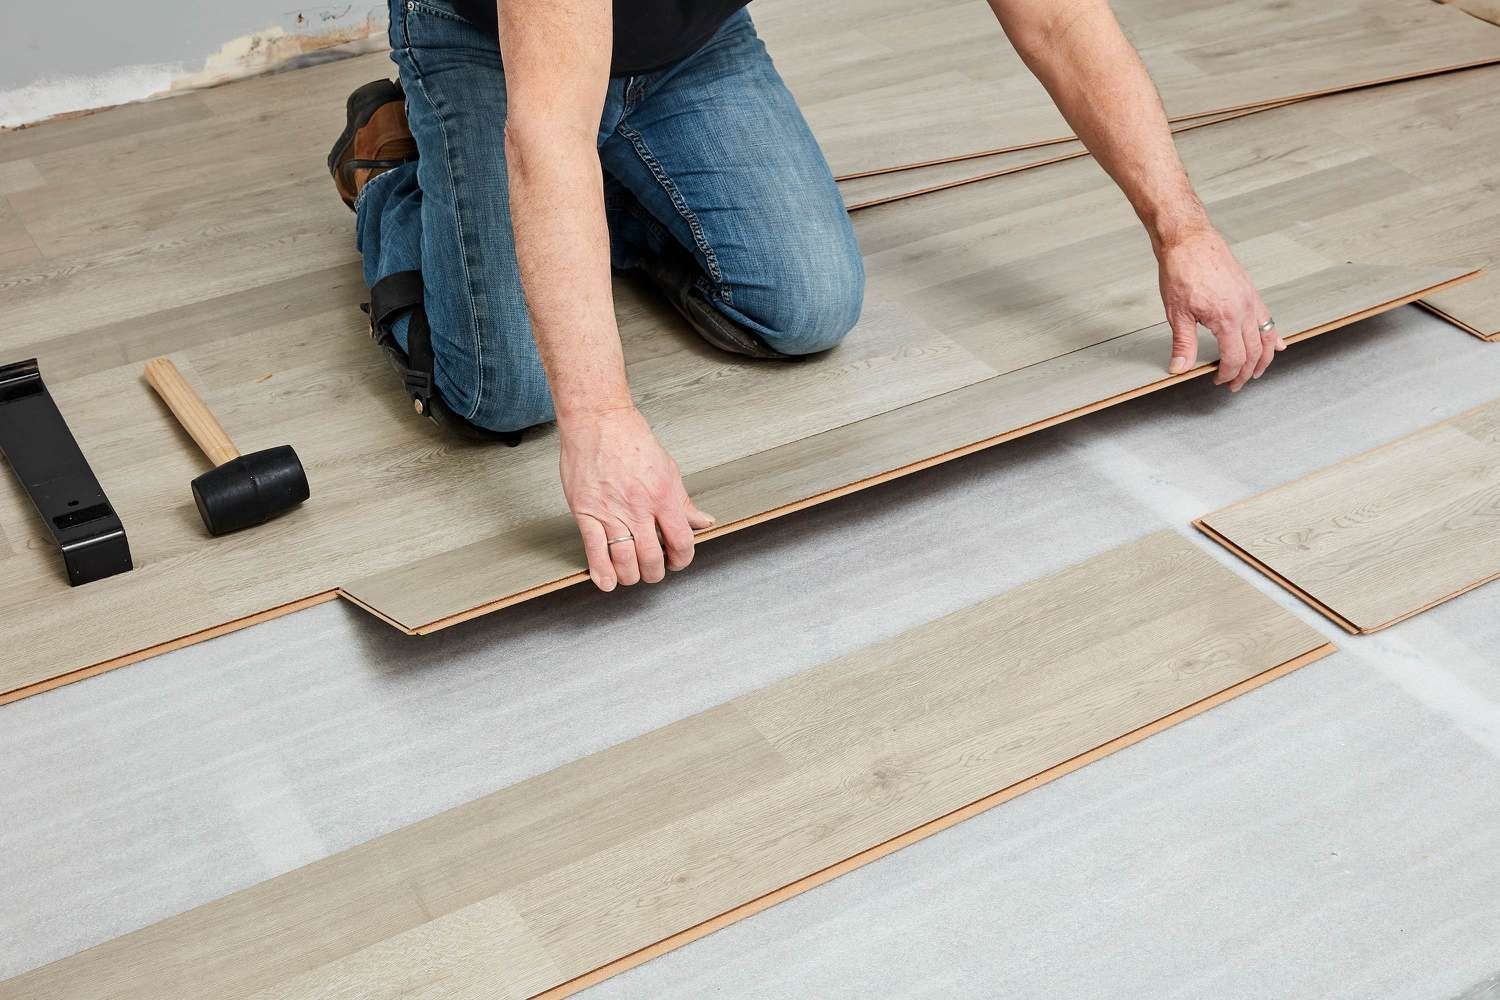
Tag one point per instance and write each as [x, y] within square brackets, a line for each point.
[619, 482]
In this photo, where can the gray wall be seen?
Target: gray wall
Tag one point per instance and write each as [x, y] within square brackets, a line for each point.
[67, 54]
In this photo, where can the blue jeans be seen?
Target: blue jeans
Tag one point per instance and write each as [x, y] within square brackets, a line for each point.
[711, 153]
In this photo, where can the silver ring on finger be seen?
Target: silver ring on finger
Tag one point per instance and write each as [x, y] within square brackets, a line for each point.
[1268, 325]
[619, 538]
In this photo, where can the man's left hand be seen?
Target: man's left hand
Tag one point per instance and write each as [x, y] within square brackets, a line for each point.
[1202, 282]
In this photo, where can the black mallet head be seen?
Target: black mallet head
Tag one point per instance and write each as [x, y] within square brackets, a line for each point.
[250, 490]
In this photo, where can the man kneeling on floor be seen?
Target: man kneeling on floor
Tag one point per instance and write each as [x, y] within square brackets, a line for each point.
[528, 150]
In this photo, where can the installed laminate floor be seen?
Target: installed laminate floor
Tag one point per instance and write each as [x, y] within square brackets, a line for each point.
[568, 875]
[1424, 191]
[1387, 534]
[207, 231]
[887, 83]
[1314, 808]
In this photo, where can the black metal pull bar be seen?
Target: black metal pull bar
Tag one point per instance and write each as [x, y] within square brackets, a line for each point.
[36, 441]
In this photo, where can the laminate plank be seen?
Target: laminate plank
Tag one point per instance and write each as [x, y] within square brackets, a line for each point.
[572, 874]
[988, 263]
[19, 175]
[1382, 536]
[16, 245]
[450, 864]
[521, 563]
[180, 328]
[1445, 130]
[75, 131]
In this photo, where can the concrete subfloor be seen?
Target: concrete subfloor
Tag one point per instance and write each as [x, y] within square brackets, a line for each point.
[1335, 834]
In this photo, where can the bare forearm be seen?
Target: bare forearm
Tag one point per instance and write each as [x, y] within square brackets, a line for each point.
[1079, 53]
[562, 245]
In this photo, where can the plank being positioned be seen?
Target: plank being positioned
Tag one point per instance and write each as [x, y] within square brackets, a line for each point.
[549, 885]
[461, 584]
[1383, 536]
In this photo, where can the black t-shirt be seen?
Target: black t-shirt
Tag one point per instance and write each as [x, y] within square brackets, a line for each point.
[649, 34]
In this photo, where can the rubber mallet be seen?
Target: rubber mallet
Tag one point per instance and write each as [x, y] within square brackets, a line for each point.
[241, 491]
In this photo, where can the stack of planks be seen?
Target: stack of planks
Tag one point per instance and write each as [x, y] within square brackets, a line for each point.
[1011, 289]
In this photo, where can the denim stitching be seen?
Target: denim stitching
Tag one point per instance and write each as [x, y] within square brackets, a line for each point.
[414, 6]
[463, 252]
[678, 202]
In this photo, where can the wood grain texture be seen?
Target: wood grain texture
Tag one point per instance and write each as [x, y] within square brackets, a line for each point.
[1444, 130]
[570, 874]
[19, 175]
[75, 131]
[886, 84]
[16, 245]
[1384, 535]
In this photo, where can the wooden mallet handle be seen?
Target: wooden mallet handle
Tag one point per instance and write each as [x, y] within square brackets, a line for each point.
[190, 411]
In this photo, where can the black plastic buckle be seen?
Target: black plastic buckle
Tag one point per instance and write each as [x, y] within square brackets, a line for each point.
[45, 457]
[418, 384]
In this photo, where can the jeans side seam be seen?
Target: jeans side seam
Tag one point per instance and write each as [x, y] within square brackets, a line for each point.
[463, 251]
[638, 142]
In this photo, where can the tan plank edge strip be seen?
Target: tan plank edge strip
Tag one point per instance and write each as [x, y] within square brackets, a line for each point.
[1198, 122]
[26, 691]
[1320, 605]
[926, 830]
[580, 576]
[1173, 119]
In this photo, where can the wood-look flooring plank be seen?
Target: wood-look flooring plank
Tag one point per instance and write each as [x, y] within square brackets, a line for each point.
[19, 175]
[558, 880]
[1382, 536]
[75, 131]
[17, 248]
[521, 563]
[1444, 130]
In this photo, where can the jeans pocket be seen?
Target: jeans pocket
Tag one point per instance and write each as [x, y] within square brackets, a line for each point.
[427, 24]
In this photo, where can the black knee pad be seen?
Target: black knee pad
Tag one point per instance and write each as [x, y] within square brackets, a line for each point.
[400, 294]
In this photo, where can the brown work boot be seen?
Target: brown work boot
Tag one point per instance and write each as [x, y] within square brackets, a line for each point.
[375, 139]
